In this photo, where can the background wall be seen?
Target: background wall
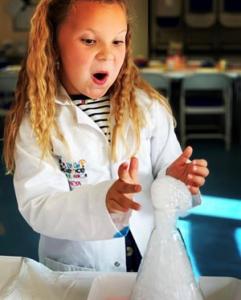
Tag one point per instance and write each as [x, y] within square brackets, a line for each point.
[6, 29]
[139, 11]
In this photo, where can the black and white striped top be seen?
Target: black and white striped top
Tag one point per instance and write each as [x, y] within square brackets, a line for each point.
[97, 109]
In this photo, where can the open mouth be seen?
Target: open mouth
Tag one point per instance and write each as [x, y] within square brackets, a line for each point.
[100, 77]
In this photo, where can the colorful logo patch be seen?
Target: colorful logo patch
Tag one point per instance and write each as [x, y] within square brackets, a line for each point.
[74, 171]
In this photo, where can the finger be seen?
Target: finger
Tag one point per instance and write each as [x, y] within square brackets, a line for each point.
[128, 188]
[201, 171]
[134, 205]
[133, 168]
[127, 203]
[187, 169]
[196, 181]
[185, 156]
[194, 190]
[123, 171]
[200, 162]
[115, 207]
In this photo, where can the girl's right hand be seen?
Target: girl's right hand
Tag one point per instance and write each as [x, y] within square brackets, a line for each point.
[119, 198]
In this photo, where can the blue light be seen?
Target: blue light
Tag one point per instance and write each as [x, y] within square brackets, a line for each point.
[237, 236]
[185, 228]
[218, 207]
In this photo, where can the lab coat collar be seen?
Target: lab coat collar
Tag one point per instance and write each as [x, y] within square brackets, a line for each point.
[63, 99]
[62, 96]
[82, 118]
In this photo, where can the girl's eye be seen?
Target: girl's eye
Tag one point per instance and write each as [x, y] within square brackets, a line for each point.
[118, 42]
[88, 42]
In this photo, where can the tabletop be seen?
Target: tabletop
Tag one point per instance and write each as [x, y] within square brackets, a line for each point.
[24, 278]
[179, 74]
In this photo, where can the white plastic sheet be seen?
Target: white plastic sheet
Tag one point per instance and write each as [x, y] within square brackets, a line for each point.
[25, 279]
[119, 286]
[114, 286]
[220, 288]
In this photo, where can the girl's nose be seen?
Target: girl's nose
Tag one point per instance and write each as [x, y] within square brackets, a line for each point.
[105, 53]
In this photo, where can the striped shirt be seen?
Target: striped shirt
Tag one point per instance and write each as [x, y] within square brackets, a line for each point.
[97, 109]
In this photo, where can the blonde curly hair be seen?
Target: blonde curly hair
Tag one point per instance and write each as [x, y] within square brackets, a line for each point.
[38, 80]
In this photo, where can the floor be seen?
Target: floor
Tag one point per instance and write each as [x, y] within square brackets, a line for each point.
[212, 231]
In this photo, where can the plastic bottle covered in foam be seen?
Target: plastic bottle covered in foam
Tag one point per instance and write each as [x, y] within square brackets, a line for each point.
[165, 272]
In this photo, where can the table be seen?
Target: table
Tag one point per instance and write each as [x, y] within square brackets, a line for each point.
[180, 74]
[24, 278]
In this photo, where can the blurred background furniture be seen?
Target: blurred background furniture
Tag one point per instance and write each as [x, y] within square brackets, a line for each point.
[8, 81]
[201, 14]
[230, 13]
[21, 12]
[229, 17]
[200, 20]
[197, 25]
[206, 96]
[160, 82]
[168, 13]
[167, 21]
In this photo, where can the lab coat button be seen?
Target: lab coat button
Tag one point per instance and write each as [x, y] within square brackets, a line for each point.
[129, 251]
[117, 264]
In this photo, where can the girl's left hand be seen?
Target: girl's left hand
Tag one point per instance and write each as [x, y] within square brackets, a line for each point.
[192, 173]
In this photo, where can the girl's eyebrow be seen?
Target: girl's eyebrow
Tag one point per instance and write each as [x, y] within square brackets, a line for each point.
[96, 31]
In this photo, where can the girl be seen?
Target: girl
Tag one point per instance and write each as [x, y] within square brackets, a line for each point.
[81, 110]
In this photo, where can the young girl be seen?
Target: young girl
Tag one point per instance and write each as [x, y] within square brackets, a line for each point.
[81, 112]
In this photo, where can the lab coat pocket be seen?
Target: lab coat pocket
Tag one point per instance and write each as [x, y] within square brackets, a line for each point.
[55, 265]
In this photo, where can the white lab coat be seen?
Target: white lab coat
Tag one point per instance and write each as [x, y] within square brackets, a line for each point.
[63, 197]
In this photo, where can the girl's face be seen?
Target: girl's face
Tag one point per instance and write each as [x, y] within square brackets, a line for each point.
[92, 48]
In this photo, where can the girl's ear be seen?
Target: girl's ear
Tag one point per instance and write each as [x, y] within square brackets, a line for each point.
[57, 64]
[56, 57]
[56, 53]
